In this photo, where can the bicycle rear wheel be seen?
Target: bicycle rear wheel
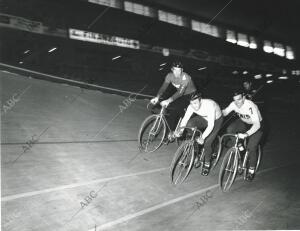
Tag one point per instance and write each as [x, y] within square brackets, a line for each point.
[216, 151]
[228, 169]
[182, 162]
[246, 162]
[152, 133]
[258, 158]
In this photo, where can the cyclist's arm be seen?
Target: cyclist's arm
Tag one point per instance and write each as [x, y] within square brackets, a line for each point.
[227, 110]
[189, 112]
[163, 86]
[210, 123]
[256, 123]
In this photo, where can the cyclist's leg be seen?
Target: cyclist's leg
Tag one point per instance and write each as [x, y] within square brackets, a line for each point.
[236, 126]
[210, 139]
[252, 147]
[176, 110]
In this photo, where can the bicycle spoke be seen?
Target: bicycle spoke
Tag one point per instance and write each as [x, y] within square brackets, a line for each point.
[231, 171]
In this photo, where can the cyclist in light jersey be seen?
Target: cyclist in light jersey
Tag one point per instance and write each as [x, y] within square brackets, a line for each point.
[208, 118]
[249, 124]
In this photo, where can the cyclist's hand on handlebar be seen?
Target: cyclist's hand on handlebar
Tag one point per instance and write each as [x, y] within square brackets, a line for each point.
[165, 103]
[154, 100]
[242, 135]
[200, 140]
[178, 133]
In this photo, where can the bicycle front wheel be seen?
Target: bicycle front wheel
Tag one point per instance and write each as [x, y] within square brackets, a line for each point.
[216, 152]
[228, 169]
[152, 133]
[182, 162]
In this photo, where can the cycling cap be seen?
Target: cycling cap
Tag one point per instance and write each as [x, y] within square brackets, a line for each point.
[196, 96]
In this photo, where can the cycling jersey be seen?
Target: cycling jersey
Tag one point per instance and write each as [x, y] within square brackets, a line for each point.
[209, 110]
[184, 85]
[248, 113]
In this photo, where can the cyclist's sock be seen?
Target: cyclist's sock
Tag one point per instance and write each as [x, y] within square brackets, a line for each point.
[251, 170]
[207, 164]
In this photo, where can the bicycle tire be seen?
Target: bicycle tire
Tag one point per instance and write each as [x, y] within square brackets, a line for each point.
[246, 161]
[186, 153]
[230, 160]
[151, 121]
[258, 161]
[217, 149]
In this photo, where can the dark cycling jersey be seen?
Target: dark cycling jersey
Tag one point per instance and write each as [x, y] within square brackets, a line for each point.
[184, 85]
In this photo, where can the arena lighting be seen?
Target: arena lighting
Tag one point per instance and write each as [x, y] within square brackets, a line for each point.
[21, 62]
[117, 57]
[165, 52]
[270, 81]
[231, 40]
[162, 64]
[259, 76]
[52, 49]
[235, 72]
[269, 75]
[25, 52]
[201, 68]
[245, 72]
[160, 69]
[295, 72]
[282, 77]
[252, 46]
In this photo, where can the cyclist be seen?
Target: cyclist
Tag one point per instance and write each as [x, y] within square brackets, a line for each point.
[180, 99]
[208, 117]
[248, 89]
[248, 124]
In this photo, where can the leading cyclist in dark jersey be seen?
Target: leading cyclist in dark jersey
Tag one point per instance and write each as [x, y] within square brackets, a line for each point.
[181, 99]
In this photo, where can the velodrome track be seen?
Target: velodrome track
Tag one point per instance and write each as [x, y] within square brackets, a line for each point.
[61, 144]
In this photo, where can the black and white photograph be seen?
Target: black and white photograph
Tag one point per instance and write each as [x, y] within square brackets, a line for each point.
[142, 115]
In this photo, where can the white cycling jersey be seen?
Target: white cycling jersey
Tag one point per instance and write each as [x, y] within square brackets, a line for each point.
[209, 110]
[248, 113]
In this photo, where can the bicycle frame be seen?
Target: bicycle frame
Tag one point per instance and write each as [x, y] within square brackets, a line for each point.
[193, 129]
[160, 116]
[235, 146]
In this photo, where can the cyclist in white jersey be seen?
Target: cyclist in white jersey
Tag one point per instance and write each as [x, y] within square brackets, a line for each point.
[249, 124]
[208, 118]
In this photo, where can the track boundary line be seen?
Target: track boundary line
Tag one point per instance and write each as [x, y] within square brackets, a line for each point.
[70, 186]
[69, 80]
[167, 203]
[73, 142]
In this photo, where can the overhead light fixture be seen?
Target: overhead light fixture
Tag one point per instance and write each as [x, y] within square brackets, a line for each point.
[245, 72]
[283, 77]
[117, 57]
[201, 68]
[252, 45]
[162, 64]
[259, 76]
[269, 75]
[165, 52]
[160, 69]
[21, 62]
[25, 52]
[231, 40]
[52, 49]
[270, 81]
[235, 72]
